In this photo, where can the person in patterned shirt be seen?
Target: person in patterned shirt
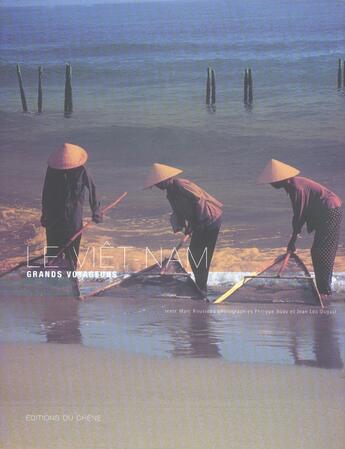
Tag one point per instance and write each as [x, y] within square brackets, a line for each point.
[317, 207]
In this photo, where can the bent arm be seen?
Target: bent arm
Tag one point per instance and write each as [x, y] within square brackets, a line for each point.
[298, 201]
[97, 216]
[177, 220]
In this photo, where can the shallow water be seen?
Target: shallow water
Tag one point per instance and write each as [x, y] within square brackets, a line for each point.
[170, 327]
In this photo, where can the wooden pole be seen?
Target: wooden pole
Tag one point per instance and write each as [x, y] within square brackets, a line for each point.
[284, 264]
[21, 88]
[40, 96]
[86, 225]
[213, 85]
[250, 86]
[245, 87]
[243, 281]
[339, 74]
[21, 264]
[138, 273]
[208, 86]
[68, 108]
[344, 73]
[177, 248]
[61, 250]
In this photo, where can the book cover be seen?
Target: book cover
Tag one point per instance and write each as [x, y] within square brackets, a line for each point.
[156, 291]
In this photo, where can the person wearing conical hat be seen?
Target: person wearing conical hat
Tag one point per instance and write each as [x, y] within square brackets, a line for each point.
[195, 212]
[317, 207]
[65, 184]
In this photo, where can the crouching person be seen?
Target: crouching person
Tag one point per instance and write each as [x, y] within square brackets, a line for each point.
[195, 212]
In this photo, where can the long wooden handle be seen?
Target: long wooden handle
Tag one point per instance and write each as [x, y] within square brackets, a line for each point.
[141, 272]
[179, 246]
[25, 262]
[182, 241]
[243, 281]
[86, 225]
[284, 264]
[21, 264]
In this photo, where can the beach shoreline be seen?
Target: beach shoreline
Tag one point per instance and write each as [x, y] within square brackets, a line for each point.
[58, 396]
[103, 248]
[256, 221]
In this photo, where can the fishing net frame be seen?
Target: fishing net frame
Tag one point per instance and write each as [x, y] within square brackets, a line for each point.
[277, 276]
[169, 269]
[64, 264]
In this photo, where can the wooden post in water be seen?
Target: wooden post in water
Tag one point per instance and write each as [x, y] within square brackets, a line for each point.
[40, 96]
[250, 86]
[208, 86]
[344, 73]
[68, 108]
[213, 85]
[21, 88]
[245, 87]
[339, 74]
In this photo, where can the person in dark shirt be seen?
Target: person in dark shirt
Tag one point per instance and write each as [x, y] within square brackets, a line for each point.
[195, 212]
[63, 195]
[317, 207]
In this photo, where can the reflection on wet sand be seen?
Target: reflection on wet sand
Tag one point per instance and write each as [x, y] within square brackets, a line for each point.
[325, 346]
[182, 328]
[196, 336]
[60, 321]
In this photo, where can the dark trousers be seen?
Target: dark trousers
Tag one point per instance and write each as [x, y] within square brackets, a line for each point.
[58, 238]
[325, 247]
[201, 250]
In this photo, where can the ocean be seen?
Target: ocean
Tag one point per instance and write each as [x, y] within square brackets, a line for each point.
[139, 74]
[146, 63]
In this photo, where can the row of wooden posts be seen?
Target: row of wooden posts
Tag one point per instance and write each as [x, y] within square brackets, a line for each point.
[68, 104]
[210, 87]
[341, 74]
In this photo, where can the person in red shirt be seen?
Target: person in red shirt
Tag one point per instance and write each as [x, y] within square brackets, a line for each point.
[317, 207]
[195, 212]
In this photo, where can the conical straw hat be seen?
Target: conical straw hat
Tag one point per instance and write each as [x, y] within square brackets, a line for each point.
[159, 173]
[276, 171]
[69, 156]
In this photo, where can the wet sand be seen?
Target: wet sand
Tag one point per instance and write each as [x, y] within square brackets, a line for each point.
[256, 222]
[20, 227]
[140, 402]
